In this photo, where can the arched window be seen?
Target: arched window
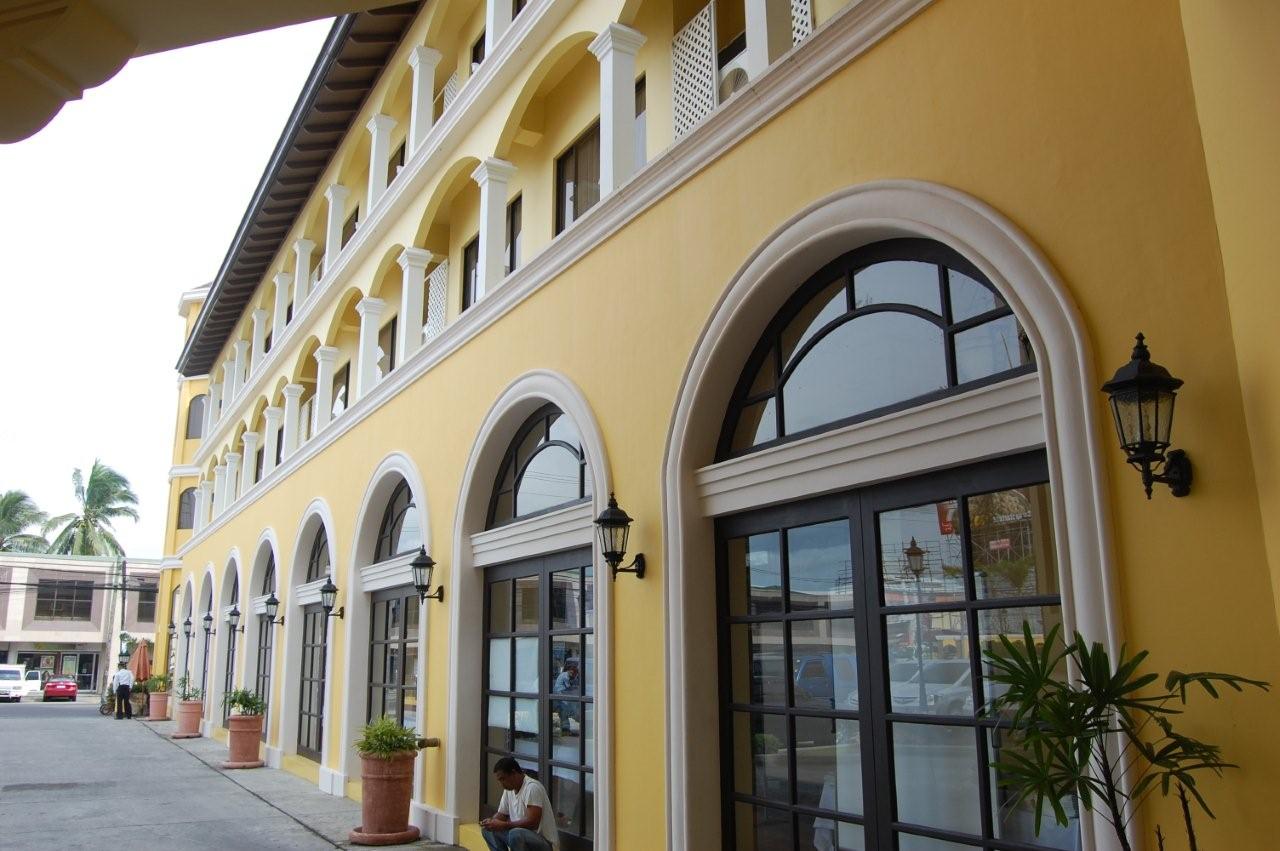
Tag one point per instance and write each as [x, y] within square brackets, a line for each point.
[544, 468]
[187, 509]
[269, 575]
[885, 327]
[195, 416]
[318, 562]
[400, 531]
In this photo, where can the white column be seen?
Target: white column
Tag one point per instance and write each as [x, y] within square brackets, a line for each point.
[241, 366]
[206, 503]
[370, 310]
[233, 478]
[302, 271]
[413, 263]
[270, 435]
[248, 476]
[497, 20]
[292, 393]
[228, 386]
[211, 408]
[259, 345]
[326, 357]
[380, 127]
[492, 176]
[768, 33]
[423, 60]
[336, 195]
[281, 313]
[197, 522]
[616, 47]
[219, 489]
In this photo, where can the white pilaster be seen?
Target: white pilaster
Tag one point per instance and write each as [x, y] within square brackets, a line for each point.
[768, 34]
[370, 310]
[270, 434]
[292, 393]
[302, 250]
[228, 386]
[211, 408]
[336, 195]
[380, 127]
[326, 357]
[241, 367]
[259, 349]
[616, 47]
[248, 476]
[205, 512]
[232, 479]
[219, 489]
[423, 60]
[497, 20]
[492, 176]
[413, 263]
[281, 312]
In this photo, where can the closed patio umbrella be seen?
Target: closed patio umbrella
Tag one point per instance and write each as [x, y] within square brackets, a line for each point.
[140, 663]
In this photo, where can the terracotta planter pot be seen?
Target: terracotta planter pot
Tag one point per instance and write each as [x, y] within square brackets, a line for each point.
[188, 719]
[158, 708]
[384, 805]
[244, 734]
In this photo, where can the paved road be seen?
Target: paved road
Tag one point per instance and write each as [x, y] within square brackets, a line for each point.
[72, 779]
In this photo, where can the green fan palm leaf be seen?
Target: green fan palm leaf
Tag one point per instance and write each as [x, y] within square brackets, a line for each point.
[106, 496]
[18, 513]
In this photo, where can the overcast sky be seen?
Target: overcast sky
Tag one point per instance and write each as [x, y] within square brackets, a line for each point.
[128, 198]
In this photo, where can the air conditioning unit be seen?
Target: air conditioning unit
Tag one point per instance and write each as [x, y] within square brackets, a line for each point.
[733, 76]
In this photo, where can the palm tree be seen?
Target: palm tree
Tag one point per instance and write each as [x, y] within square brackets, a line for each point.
[107, 497]
[18, 512]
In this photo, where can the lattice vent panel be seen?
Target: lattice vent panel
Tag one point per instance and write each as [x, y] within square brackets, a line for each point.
[693, 70]
[451, 90]
[801, 20]
[437, 293]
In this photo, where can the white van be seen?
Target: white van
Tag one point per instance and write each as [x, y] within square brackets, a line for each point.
[12, 685]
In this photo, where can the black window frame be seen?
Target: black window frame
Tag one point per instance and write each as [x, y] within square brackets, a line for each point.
[477, 51]
[514, 231]
[399, 504]
[406, 597]
[349, 227]
[145, 611]
[571, 159]
[541, 418]
[320, 560]
[470, 272]
[311, 675]
[195, 418]
[341, 382]
[64, 600]
[846, 266]
[396, 162]
[187, 509]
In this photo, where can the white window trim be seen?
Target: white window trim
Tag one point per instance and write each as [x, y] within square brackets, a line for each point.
[556, 530]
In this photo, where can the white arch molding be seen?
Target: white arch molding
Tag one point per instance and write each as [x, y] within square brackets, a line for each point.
[268, 544]
[186, 606]
[466, 595]
[837, 224]
[389, 472]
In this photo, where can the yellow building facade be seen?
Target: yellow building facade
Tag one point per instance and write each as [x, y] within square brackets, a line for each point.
[824, 293]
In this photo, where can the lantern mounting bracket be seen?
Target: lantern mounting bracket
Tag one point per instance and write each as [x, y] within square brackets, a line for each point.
[636, 567]
[1176, 473]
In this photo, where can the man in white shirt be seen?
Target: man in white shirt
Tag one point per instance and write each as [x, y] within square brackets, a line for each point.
[524, 821]
[122, 682]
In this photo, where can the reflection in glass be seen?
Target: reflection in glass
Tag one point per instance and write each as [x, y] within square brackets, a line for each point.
[755, 575]
[928, 663]
[820, 568]
[1011, 543]
[527, 665]
[1017, 820]
[526, 604]
[824, 663]
[993, 623]
[759, 664]
[828, 764]
[819, 833]
[551, 479]
[898, 282]
[565, 610]
[762, 828]
[526, 726]
[970, 298]
[499, 722]
[589, 665]
[500, 664]
[827, 305]
[936, 777]
[867, 363]
[758, 423]
[938, 575]
[500, 606]
[566, 799]
[766, 773]
[991, 348]
[912, 842]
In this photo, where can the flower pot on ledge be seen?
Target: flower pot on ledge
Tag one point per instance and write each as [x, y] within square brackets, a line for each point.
[244, 732]
[384, 804]
[189, 712]
[158, 708]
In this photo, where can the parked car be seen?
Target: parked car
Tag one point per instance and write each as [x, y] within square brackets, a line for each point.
[11, 688]
[946, 685]
[60, 687]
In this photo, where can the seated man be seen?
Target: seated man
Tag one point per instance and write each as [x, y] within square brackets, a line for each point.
[524, 821]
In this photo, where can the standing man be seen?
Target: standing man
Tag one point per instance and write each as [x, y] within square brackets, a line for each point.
[524, 821]
[122, 682]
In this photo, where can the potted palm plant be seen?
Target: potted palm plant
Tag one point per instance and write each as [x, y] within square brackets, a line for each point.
[189, 709]
[244, 727]
[157, 687]
[387, 751]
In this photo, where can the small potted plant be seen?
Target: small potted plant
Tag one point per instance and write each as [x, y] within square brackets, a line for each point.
[157, 686]
[387, 751]
[244, 727]
[189, 708]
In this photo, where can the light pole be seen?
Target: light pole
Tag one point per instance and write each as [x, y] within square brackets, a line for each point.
[914, 556]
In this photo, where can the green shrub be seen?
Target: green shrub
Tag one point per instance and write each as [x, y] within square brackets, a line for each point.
[186, 691]
[242, 701]
[157, 683]
[385, 738]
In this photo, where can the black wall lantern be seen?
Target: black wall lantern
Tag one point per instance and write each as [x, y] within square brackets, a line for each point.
[329, 596]
[186, 627]
[124, 656]
[423, 566]
[233, 619]
[272, 606]
[614, 525]
[173, 631]
[208, 624]
[1142, 396]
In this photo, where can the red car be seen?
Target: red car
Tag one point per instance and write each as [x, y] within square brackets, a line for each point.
[60, 688]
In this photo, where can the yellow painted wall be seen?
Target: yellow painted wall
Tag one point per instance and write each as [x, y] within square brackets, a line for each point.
[1078, 122]
[1234, 51]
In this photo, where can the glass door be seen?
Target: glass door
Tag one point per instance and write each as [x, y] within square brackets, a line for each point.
[315, 625]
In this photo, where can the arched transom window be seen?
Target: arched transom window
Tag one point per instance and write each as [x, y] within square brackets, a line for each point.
[400, 531]
[269, 575]
[881, 328]
[318, 561]
[544, 468]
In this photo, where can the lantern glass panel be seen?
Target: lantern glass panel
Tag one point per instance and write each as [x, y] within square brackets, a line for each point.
[233, 618]
[613, 539]
[328, 595]
[273, 606]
